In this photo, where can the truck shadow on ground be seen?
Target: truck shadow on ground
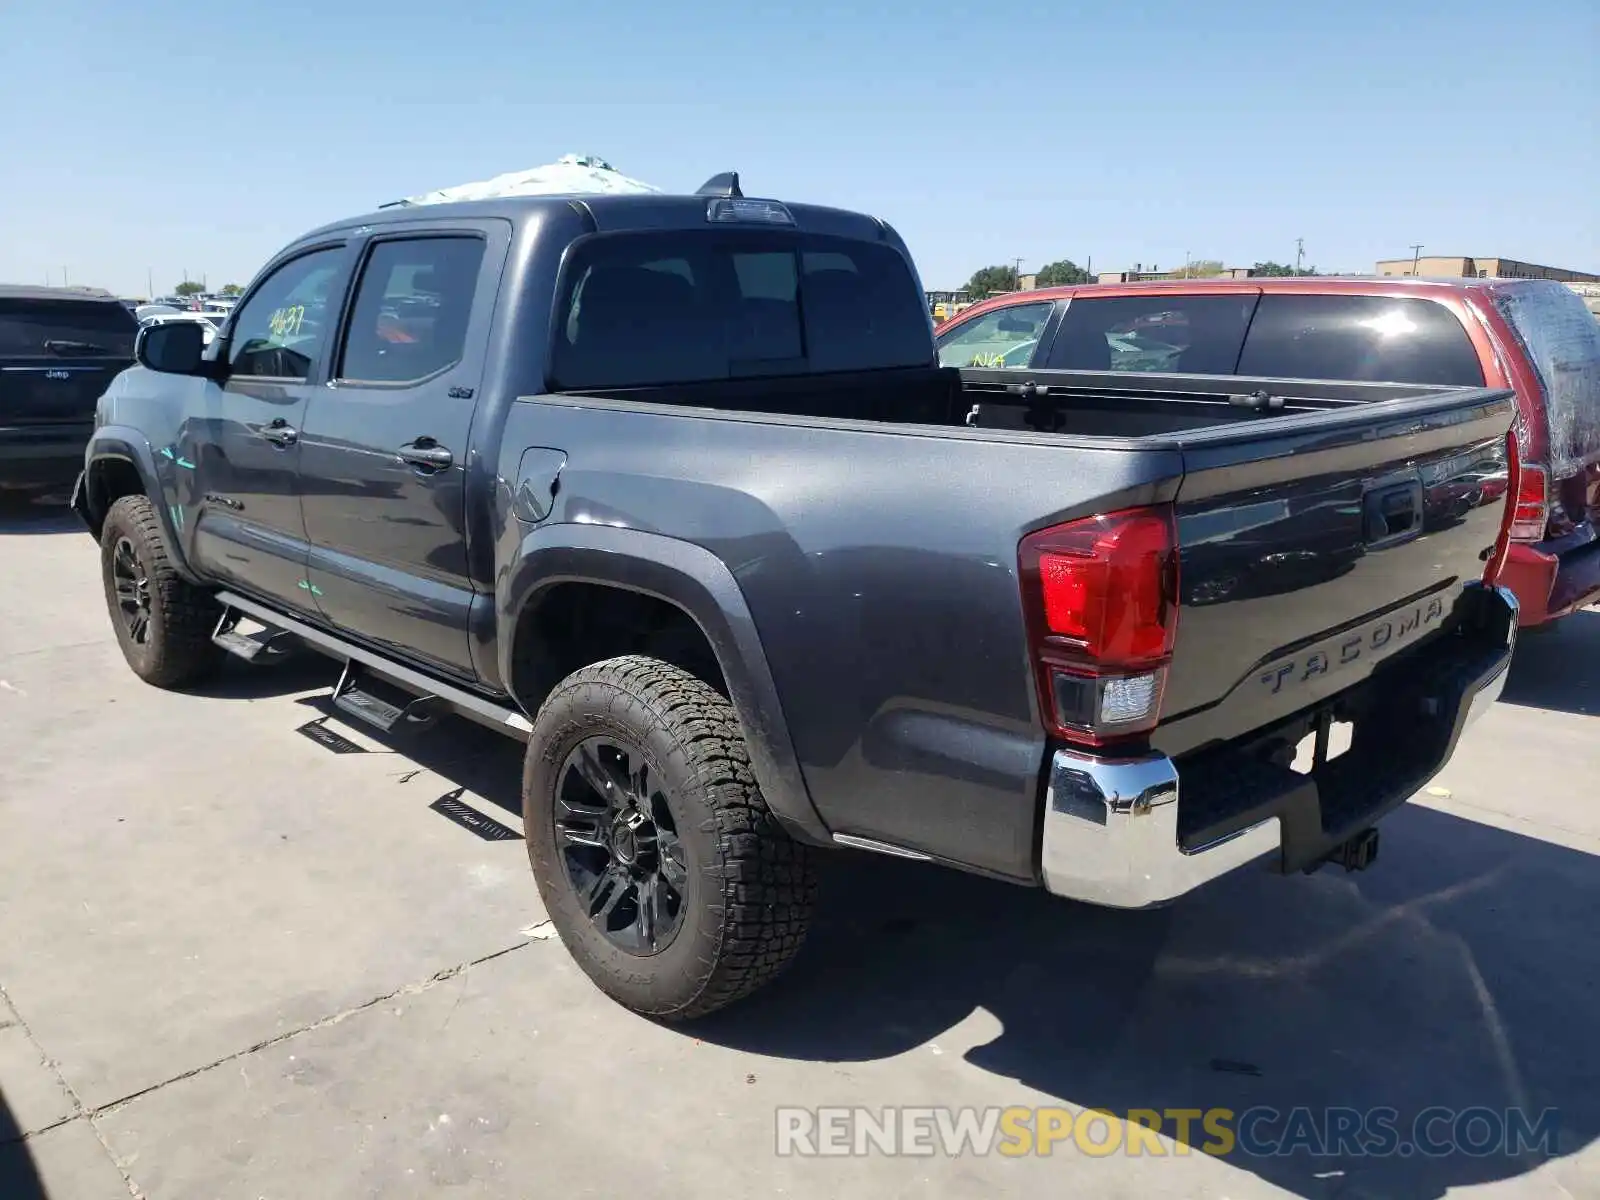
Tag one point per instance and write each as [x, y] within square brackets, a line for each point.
[1455, 977]
[1461, 973]
[48, 514]
[1559, 668]
[19, 1178]
[463, 755]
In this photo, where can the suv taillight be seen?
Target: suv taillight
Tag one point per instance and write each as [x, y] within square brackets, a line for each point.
[1101, 599]
[1530, 500]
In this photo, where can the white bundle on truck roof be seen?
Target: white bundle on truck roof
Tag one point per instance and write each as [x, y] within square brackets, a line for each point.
[570, 175]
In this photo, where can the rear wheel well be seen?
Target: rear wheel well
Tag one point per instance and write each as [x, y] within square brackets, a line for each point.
[573, 625]
[107, 481]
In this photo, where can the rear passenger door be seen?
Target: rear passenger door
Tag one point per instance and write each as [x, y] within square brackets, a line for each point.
[385, 455]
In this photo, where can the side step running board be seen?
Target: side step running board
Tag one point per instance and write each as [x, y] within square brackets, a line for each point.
[423, 695]
[265, 645]
[361, 696]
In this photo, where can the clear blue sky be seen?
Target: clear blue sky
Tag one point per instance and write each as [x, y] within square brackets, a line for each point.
[174, 136]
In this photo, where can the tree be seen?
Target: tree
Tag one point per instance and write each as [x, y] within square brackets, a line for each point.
[1065, 271]
[189, 287]
[991, 279]
[1277, 270]
[1200, 268]
[231, 289]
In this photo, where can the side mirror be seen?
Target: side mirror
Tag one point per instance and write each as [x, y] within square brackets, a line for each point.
[175, 348]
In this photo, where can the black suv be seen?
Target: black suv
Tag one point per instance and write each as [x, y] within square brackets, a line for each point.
[59, 348]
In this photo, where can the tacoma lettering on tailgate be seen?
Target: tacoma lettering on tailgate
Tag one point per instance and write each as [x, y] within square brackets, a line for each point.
[1376, 640]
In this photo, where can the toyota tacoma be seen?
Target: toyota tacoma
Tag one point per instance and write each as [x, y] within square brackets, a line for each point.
[673, 489]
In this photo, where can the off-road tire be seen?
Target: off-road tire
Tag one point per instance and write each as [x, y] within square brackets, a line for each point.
[751, 888]
[178, 650]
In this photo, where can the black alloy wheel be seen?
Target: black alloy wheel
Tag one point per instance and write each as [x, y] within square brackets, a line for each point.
[619, 845]
[132, 583]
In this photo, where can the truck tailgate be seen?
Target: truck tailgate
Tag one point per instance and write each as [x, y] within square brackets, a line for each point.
[1314, 547]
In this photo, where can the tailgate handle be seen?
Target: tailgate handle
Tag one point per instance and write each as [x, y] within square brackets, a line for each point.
[1391, 514]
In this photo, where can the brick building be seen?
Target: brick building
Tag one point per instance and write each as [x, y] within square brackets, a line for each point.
[1436, 266]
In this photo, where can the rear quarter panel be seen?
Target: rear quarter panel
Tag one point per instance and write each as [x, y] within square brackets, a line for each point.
[880, 568]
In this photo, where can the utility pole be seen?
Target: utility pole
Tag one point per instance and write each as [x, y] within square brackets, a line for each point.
[1416, 254]
[1017, 267]
[1299, 253]
[1185, 265]
[64, 277]
[149, 283]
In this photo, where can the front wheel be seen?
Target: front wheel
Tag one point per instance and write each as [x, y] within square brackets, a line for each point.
[164, 623]
[665, 874]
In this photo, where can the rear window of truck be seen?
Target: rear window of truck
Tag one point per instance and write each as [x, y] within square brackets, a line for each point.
[640, 309]
[1376, 339]
[65, 329]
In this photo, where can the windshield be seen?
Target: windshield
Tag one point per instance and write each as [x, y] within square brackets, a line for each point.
[64, 328]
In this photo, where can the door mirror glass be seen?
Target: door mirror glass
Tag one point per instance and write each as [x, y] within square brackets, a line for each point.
[174, 349]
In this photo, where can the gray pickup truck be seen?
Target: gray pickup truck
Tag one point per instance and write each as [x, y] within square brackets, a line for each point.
[673, 489]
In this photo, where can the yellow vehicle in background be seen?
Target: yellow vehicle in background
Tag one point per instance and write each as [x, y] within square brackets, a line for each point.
[944, 305]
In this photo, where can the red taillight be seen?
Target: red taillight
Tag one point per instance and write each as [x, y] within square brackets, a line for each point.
[1101, 596]
[1530, 506]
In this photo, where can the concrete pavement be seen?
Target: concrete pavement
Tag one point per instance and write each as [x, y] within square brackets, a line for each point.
[236, 964]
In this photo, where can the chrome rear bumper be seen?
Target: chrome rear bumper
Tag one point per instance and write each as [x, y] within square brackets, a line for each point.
[1111, 834]
[1111, 825]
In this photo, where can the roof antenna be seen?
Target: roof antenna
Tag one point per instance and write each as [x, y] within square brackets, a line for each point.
[725, 184]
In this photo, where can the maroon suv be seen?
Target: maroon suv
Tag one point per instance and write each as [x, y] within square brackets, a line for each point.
[1534, 336]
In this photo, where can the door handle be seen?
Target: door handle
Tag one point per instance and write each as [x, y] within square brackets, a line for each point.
[426, 454]
[280, 433]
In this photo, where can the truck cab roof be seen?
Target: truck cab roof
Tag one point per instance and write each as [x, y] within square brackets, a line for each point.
[611, 212]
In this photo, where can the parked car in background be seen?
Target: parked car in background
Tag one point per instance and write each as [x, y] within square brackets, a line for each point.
[59, 348]
[1535, 336]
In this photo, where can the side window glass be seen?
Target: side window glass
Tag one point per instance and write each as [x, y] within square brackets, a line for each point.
[278, 332]
[1006, 337]
[1377, 339]
[411, 311]
[1190, 335]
